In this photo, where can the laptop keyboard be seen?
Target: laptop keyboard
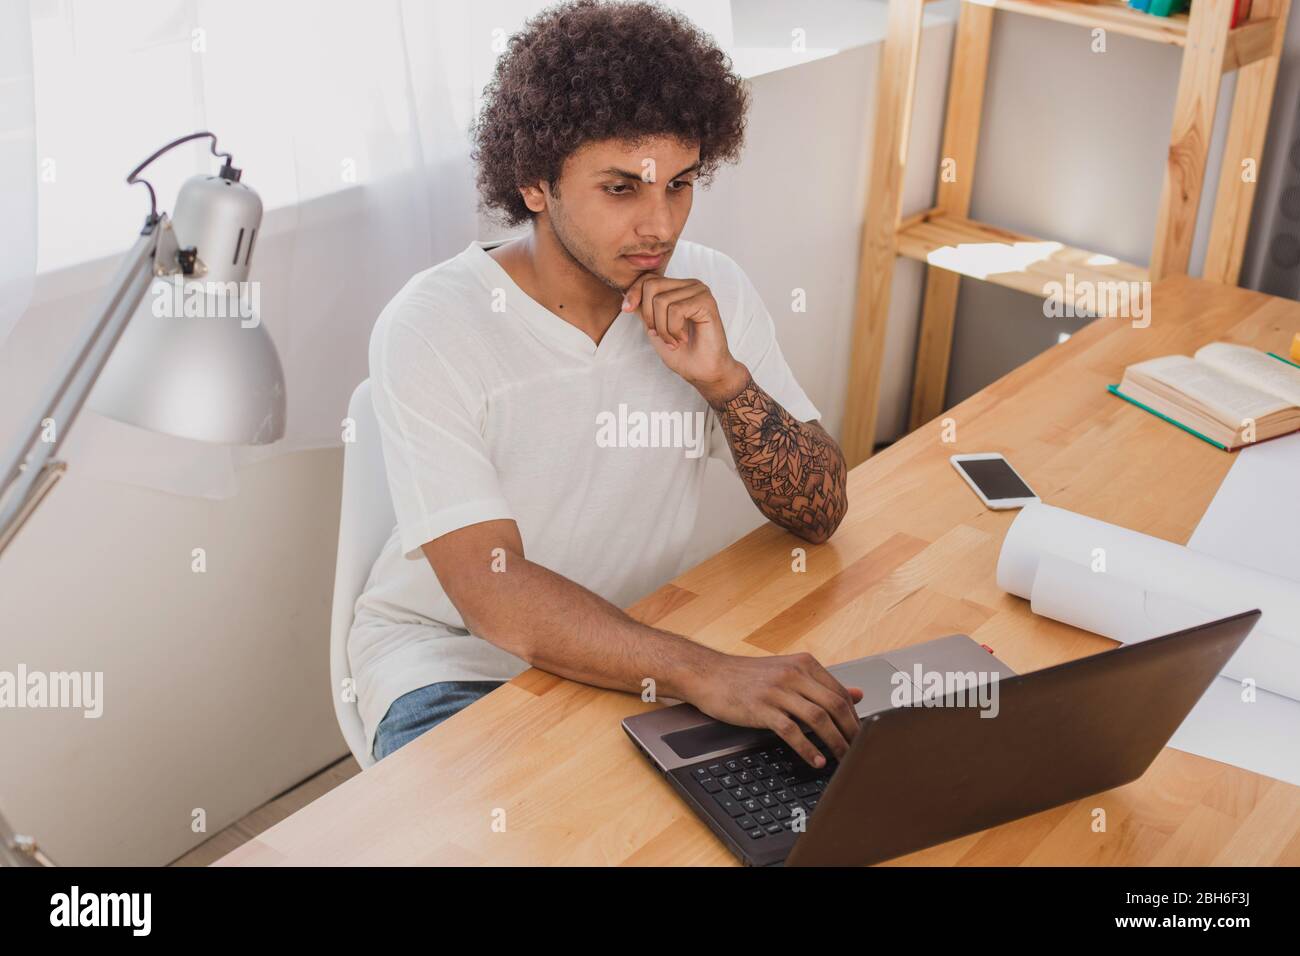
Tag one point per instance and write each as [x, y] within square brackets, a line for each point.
[764, 790]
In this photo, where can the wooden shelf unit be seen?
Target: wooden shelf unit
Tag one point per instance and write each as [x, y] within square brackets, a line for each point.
[953, 245]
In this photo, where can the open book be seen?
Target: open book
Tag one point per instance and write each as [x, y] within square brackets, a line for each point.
[1230, 395]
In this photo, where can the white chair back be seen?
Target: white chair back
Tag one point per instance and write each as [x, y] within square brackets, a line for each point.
[366, 520]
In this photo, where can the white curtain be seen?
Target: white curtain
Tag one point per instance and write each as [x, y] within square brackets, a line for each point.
[349, 119]
[17, 166]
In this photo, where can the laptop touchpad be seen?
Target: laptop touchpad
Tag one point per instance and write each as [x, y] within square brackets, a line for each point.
[713, 736]
[876, 677]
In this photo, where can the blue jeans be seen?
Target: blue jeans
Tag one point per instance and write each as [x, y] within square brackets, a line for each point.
[425, 708]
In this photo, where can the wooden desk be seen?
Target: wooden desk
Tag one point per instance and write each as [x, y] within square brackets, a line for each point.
[914, 559]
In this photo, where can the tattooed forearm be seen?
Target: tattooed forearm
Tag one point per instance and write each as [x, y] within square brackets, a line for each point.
[794, 470]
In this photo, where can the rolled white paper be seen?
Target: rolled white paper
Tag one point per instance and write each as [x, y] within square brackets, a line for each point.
[1107, 604]
[1130, 586]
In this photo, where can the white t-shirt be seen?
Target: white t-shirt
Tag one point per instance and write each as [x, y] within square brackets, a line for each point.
[492, 406]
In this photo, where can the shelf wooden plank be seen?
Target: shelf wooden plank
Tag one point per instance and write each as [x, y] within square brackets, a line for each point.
[1247, 131]
[1017, 261]
[961, 127]
[1113, 15]
[1199, 78]
[880, 223]
[1246, 43]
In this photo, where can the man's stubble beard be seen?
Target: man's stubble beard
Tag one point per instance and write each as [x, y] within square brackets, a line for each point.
[577, 254]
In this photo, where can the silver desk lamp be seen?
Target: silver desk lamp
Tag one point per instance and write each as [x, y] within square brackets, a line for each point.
[202, 374]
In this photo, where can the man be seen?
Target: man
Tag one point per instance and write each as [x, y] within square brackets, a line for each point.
[546, 403]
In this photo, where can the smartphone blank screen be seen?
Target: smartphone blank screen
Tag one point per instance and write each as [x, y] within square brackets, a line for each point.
[995, 478]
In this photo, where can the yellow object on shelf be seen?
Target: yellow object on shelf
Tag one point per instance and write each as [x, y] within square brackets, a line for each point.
[1295, 348]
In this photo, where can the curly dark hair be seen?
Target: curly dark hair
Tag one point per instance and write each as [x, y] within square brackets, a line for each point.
[587, 70]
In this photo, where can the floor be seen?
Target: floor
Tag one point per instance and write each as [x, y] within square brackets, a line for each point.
[269, 814]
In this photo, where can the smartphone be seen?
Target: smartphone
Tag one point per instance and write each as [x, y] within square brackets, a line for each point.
[994, 480]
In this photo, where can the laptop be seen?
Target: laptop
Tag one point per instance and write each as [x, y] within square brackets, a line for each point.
[952, 741]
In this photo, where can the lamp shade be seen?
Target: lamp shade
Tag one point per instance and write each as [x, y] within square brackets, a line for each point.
[195, 361]
[204, 377]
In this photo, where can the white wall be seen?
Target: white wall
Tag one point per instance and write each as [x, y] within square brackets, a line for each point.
[216, 685]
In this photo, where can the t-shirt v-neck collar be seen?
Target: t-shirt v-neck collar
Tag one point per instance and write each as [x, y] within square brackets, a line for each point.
[540, 319]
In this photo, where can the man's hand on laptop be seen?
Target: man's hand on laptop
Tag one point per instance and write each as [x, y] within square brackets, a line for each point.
[780, 693]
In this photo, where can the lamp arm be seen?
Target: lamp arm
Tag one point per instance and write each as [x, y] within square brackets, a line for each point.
[30, 468]
[18, 850]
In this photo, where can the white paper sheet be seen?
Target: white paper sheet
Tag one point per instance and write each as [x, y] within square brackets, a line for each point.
[1262, 736]
[1253, 520]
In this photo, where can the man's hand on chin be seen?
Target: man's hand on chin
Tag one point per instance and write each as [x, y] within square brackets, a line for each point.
[681, 319]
